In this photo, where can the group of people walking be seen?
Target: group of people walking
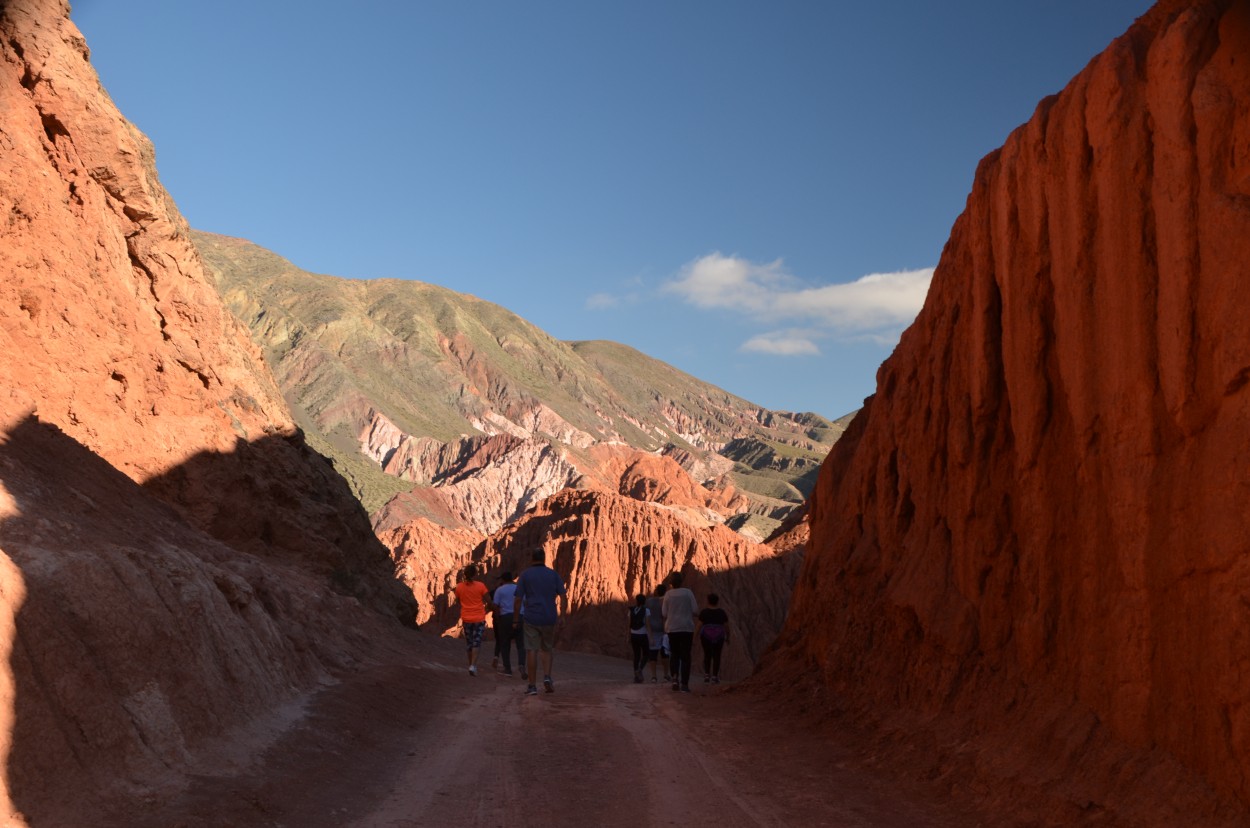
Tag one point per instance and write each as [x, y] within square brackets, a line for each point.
[527, 611]
[662, 629]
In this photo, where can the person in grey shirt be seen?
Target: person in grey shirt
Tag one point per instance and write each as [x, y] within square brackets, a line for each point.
[680, 609]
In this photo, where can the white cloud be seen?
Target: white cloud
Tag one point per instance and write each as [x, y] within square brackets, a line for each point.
[874, 307]
[872, 302]
[717, 281]
[601, 301]
[782, 343]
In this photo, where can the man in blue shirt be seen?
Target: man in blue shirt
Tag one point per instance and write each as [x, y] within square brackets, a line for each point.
[537, 590]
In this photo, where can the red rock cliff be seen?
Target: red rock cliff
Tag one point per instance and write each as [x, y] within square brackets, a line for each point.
[1046, 498]
[111, 330]
[174, 562]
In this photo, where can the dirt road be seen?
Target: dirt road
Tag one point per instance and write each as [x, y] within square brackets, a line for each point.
[421, 743]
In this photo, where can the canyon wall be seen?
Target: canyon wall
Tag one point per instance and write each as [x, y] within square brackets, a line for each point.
[113, 332]
[1040, 515]
[175, 562]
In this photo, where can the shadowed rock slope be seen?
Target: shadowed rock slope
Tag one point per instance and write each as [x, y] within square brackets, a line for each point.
[176, 562]
[1034, 536]
[457, 394]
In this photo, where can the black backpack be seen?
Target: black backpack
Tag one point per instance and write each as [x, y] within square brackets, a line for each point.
[637, 618]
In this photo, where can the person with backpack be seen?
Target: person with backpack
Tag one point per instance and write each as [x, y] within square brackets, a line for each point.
[639, 639]
[713, 636]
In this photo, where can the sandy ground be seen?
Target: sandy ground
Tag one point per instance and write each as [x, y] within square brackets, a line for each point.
[416, 741]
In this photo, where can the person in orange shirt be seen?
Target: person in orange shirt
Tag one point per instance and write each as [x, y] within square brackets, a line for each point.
[474, 600]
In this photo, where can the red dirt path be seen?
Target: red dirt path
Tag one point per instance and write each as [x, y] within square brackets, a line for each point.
[413, 740]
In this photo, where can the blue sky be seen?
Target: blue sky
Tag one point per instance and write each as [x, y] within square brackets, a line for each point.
[754, 192]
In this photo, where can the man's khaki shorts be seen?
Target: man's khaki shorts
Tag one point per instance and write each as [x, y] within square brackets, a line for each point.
[540, 638]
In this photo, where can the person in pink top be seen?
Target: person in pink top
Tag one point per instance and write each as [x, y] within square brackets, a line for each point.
[474, 600]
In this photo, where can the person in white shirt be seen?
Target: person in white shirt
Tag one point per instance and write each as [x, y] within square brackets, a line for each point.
[509, 629]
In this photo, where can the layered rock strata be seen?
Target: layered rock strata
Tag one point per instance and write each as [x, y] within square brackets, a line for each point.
[1039, 518]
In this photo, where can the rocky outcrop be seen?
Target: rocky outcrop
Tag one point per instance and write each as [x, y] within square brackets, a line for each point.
[429, 557]
[486, 482]
[701, 467]
[174, 561]
[658, 478]
[109, 326]
[1034, 532]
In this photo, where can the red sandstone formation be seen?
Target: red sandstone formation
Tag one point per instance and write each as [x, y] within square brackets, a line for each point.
[486, 482]
[111, 330]
[428, 558]
[175, 562]
[657, 478]
[1036, 531]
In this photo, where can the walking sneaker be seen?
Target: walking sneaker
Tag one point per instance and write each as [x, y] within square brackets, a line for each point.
[506, 672]
[638, 677]
[494, 662]
[653, 680]
[547, 685]
[685, 688]
[715, 679]
[676, 687]
[706, 678]
[473, 670]
[525, 676]
[531, 690]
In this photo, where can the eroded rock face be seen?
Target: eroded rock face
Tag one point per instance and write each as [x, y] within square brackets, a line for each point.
[174, 562]
[1040, 517]
[110, 329]
[129, 638]
[482, 482]
[102, 296]
[430, 556]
